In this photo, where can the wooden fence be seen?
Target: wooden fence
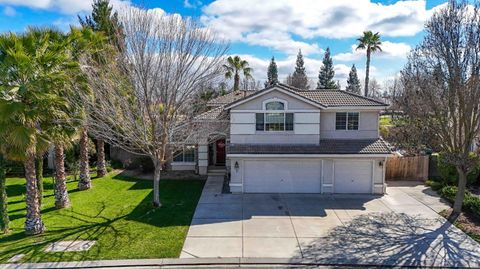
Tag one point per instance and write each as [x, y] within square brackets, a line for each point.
[407, 168]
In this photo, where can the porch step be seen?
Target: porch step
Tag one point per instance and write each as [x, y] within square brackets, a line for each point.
[217, 172]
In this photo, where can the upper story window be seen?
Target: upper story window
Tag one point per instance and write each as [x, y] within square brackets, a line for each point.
[346, 121]
[274, 121]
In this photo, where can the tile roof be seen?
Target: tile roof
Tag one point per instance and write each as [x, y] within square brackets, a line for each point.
[326, 98]
[334, 98]
[229, 98]
[327, 146]
[211, 114]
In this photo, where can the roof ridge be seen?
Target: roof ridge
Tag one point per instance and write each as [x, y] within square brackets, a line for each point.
[365, 97]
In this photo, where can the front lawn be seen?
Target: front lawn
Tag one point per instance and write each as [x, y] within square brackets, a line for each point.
[116, 212]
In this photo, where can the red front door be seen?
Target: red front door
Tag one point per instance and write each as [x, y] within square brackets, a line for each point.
[220, 146]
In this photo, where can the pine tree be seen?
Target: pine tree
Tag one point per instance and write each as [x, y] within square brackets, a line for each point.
[299, 77]
[103, 19]
[326, 74]
[353, 83]
[272, 73]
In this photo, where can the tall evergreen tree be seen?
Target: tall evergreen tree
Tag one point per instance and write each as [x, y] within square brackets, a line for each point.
[326, 74]
[272, 73]
[103, 19]
[299, 76]
[353, 83]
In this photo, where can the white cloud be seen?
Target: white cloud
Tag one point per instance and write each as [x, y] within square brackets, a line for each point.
[287, 25]
[62, 6]
[191, 3]
[389, 50]
[9, 11]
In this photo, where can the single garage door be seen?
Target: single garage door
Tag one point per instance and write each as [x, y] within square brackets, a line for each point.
[282, 176]
[353, 176]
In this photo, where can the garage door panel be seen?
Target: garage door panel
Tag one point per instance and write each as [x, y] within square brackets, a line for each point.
[282, 176]
[353, 176]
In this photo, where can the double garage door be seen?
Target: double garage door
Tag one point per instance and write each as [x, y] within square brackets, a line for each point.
[304, 176]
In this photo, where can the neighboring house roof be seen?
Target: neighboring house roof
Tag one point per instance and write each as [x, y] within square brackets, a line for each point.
[229, 98]
[212, 114]
[327, 146]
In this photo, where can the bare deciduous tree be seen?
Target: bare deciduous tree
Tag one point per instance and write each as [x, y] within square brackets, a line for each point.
[144, 97]
[441, 85]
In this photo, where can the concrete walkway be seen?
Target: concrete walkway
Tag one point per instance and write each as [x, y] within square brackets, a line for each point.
[399, 228]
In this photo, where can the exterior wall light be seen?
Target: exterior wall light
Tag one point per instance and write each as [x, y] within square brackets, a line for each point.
[236, 166]
[380, 163]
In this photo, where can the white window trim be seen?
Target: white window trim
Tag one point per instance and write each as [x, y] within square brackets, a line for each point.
[275, 99]
[264, 111]
[346, 122]
[284, 122]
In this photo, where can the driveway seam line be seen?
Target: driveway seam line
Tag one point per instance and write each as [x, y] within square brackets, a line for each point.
[293, 226]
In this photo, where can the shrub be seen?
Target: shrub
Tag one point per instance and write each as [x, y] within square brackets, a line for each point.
[116, 164]
[471, 203]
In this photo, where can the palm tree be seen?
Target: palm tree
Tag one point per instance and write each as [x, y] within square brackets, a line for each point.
[4, 220]
[234, 67]
[34, 69]
[371, 42]
[104, 19]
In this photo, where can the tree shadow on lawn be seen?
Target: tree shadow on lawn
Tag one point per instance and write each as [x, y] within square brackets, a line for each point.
[91, 228]
[392, 239]
[178, 205]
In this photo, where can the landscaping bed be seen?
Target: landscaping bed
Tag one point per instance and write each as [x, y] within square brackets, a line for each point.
[469, 219]
[116, 213]
[468, 223]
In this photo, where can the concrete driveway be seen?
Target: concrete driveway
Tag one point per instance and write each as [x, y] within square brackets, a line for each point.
[399, 228]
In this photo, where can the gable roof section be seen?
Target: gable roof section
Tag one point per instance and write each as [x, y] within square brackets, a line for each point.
[280, 87]
[319, 98]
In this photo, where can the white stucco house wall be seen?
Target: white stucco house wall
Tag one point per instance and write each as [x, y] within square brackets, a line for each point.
[285, 140]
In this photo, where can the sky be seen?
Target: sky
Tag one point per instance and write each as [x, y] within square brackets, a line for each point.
[259, 30]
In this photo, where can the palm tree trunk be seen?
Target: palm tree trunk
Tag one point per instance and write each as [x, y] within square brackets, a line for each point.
[39, 176]
[84, 183]
[457, 205]
[4, 220]
[367, 72]
[101, 167]
[33, 221]
[61, 193]
[236, 81]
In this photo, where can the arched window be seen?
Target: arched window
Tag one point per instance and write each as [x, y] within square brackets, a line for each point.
[274, 119]
[275, 105]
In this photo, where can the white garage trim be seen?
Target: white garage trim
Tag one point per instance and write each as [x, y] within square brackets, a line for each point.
[372, 172]
[297, 176]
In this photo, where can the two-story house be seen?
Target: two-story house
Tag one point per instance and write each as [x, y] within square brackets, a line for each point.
[286, 140]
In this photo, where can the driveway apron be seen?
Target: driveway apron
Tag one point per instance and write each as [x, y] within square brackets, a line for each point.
[400, 228]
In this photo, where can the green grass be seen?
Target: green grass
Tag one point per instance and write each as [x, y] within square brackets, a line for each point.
[116, 212]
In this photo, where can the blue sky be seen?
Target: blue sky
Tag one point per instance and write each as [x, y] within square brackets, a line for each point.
[258, 30]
